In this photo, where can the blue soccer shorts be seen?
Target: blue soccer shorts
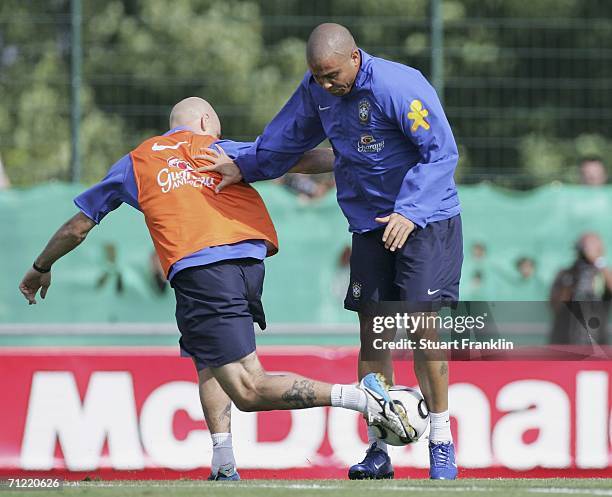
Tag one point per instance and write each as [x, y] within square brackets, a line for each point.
[424, 273]
[216, 306]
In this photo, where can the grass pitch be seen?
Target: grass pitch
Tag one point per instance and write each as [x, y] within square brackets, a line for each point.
[331, 488]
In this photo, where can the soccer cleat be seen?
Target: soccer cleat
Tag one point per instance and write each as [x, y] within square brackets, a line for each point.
[442, 464]
[221, 477]
[380, 408]
[376, 465]
[228, 473]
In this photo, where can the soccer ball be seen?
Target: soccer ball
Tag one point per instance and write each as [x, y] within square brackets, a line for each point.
[411, 406]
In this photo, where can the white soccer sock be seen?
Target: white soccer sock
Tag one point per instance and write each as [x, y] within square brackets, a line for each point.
[223, 454]
[349, 397]
[372, 439]
[439, 429]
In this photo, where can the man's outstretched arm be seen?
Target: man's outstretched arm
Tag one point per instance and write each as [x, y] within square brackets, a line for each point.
[65, 239]
[296, 129]
[317, 161]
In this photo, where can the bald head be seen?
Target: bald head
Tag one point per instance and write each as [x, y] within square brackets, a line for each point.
[333, 58]
[196, 114]
[329, 40]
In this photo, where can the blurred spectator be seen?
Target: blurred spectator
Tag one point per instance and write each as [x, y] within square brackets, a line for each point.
[479, 251]
[526, 268]
[477, 274]
[5, 184]
[593, 171]
[587, 281]
[307, 186]
[110, 270]
[158, 278]
[526, 284]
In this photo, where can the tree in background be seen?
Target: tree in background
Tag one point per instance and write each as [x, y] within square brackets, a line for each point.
[526, 93]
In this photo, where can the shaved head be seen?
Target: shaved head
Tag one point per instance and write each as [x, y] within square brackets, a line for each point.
[196, 114]
[329, 40]
[333, 58]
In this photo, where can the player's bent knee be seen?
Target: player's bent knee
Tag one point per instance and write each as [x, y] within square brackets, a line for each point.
[241, 399]
[241, 381]
[246, 402]
[246, 396]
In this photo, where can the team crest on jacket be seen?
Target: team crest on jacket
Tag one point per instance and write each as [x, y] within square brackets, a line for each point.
[356, 288]
[364, 111]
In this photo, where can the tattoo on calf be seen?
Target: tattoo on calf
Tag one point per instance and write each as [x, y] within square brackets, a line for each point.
[444, 369]
[301, 394]
[226, 413]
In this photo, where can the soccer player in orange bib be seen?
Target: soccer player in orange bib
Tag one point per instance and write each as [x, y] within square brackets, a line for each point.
[211, 248]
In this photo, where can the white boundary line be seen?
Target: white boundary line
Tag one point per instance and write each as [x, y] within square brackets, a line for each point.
[252, 484]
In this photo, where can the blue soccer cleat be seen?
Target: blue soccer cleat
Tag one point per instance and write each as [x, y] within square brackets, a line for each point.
[225, 474]
[442, 464]
[376, 465]
[221, 477]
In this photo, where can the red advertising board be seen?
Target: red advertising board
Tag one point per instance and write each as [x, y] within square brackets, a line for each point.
[134, 413]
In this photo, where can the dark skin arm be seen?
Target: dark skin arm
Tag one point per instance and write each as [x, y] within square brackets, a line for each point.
[319, 160]
[65, 239]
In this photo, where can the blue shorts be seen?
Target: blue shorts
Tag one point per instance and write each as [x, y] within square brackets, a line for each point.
[216, 306]
[424, 273]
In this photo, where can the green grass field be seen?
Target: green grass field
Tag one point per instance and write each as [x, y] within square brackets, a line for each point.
[332, 488]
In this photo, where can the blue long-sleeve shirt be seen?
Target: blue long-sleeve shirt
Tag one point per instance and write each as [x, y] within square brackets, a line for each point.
[394, 148]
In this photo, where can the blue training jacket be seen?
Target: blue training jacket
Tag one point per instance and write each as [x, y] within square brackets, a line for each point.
[394, 148]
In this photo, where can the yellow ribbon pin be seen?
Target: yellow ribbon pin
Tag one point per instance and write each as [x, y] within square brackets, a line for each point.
[418, 115]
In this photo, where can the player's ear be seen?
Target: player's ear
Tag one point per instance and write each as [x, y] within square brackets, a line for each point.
[356, 57]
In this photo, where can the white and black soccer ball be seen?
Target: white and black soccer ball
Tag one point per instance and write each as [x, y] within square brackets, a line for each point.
[413, 411]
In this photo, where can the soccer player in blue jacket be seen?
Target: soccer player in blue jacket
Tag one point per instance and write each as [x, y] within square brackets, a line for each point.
[395, 161]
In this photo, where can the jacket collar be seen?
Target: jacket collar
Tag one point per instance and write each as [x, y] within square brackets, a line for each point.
[362, 74]
[175, 130]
